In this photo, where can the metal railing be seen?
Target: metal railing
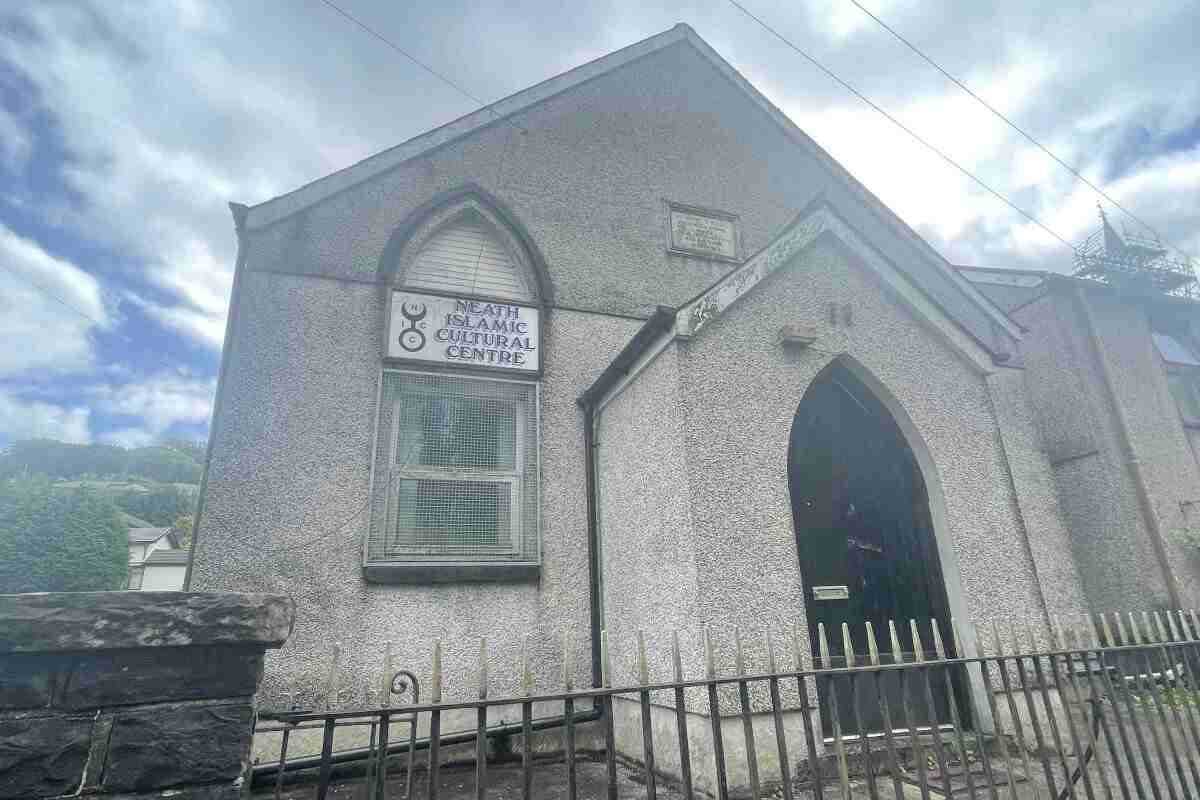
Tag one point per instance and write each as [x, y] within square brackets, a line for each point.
[1091, 708]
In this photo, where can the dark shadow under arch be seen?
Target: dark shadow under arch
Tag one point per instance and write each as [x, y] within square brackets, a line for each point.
[865, 534]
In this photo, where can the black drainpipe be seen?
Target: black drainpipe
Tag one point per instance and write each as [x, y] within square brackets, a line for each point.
[658, 324]
[593, 541]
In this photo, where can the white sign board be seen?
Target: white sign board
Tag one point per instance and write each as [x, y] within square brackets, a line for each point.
[456, 330]
[703, 233]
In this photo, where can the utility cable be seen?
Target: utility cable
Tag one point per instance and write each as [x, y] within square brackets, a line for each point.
[452, 84]
[49, 293]
[1014, 126]
[848, 87]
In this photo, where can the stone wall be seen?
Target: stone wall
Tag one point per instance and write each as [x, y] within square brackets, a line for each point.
[131, 694]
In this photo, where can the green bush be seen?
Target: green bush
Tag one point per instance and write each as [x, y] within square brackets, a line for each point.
[56, 541]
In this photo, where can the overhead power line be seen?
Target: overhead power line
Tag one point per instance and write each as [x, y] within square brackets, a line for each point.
[444, 79]
[913, 134]
[49, 293]
[1013, 125]
[108, 330]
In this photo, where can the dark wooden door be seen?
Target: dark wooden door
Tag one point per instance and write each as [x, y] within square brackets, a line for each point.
[866, 544]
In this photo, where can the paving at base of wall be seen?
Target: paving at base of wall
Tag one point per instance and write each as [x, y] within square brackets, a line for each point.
[504, 782]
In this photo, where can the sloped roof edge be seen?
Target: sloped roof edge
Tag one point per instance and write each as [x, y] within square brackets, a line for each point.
[179, 557]
[281, 207]
[821, 218]
[285, 205]
[147, 535]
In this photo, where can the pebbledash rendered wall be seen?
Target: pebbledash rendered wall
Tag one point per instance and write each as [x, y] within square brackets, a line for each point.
[695, 516]
[1111, 536]
[585, 174]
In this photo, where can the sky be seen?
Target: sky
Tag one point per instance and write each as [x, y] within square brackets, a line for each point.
[126, 128]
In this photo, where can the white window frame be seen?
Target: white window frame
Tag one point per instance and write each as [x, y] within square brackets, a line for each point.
[500, 556]
[513, 478]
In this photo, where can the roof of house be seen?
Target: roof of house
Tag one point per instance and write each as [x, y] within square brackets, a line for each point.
[132, 521]
[147, 535]
[168, 557]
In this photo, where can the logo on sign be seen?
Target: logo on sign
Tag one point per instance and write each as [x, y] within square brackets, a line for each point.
[411, 339]
[458, 330]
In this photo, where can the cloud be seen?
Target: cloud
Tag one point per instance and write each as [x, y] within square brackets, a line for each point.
[129, 437]
[15, 142]
[158, 402]
[142, 121]
[40, 332]
[34, 420]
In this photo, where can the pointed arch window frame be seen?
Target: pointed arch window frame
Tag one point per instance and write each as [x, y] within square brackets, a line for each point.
[434, 223]
[403, 250]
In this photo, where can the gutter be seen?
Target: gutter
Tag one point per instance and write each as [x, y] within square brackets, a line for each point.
[240, 212]
[1131, 459]
[660, 323]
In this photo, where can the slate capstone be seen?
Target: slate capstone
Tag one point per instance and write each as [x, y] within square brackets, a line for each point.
[63, 621]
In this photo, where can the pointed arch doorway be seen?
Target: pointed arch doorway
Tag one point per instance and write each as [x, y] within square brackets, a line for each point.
[866, 542]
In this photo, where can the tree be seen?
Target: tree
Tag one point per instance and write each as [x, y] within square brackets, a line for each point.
[56, 541]
[159, 504]
[183, 527]
[173, 463]
[192, 448]
[164, 464]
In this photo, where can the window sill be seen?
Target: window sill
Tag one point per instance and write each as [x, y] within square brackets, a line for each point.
[451, 572]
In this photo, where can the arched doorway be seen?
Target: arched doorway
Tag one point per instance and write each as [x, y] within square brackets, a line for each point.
[865, 538]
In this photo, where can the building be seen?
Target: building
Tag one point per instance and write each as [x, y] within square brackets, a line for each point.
[628, 351]
[157, 563]
[1113, 375]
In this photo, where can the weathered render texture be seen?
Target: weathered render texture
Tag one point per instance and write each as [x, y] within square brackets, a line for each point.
[738, 464]
[286, 510]
[584, 173]
[691, 459]
[144, 694]
[696, 519]
[648, 542]
[1111, 536]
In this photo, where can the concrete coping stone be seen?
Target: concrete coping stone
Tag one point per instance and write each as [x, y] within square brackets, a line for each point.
[44, 622]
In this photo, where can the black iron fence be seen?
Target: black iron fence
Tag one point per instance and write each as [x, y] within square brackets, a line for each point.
[1097, 708]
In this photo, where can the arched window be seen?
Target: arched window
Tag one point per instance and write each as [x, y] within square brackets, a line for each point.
[455, 483]
[467, 257]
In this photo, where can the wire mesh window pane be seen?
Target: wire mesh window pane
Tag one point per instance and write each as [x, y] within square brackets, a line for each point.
[455, 470]
[449, 431]
[454, 516]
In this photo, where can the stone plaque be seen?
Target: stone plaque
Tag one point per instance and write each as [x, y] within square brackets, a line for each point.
[457, 330]
[697, 231]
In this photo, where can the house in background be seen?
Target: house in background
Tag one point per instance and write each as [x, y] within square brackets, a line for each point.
[156, 561]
